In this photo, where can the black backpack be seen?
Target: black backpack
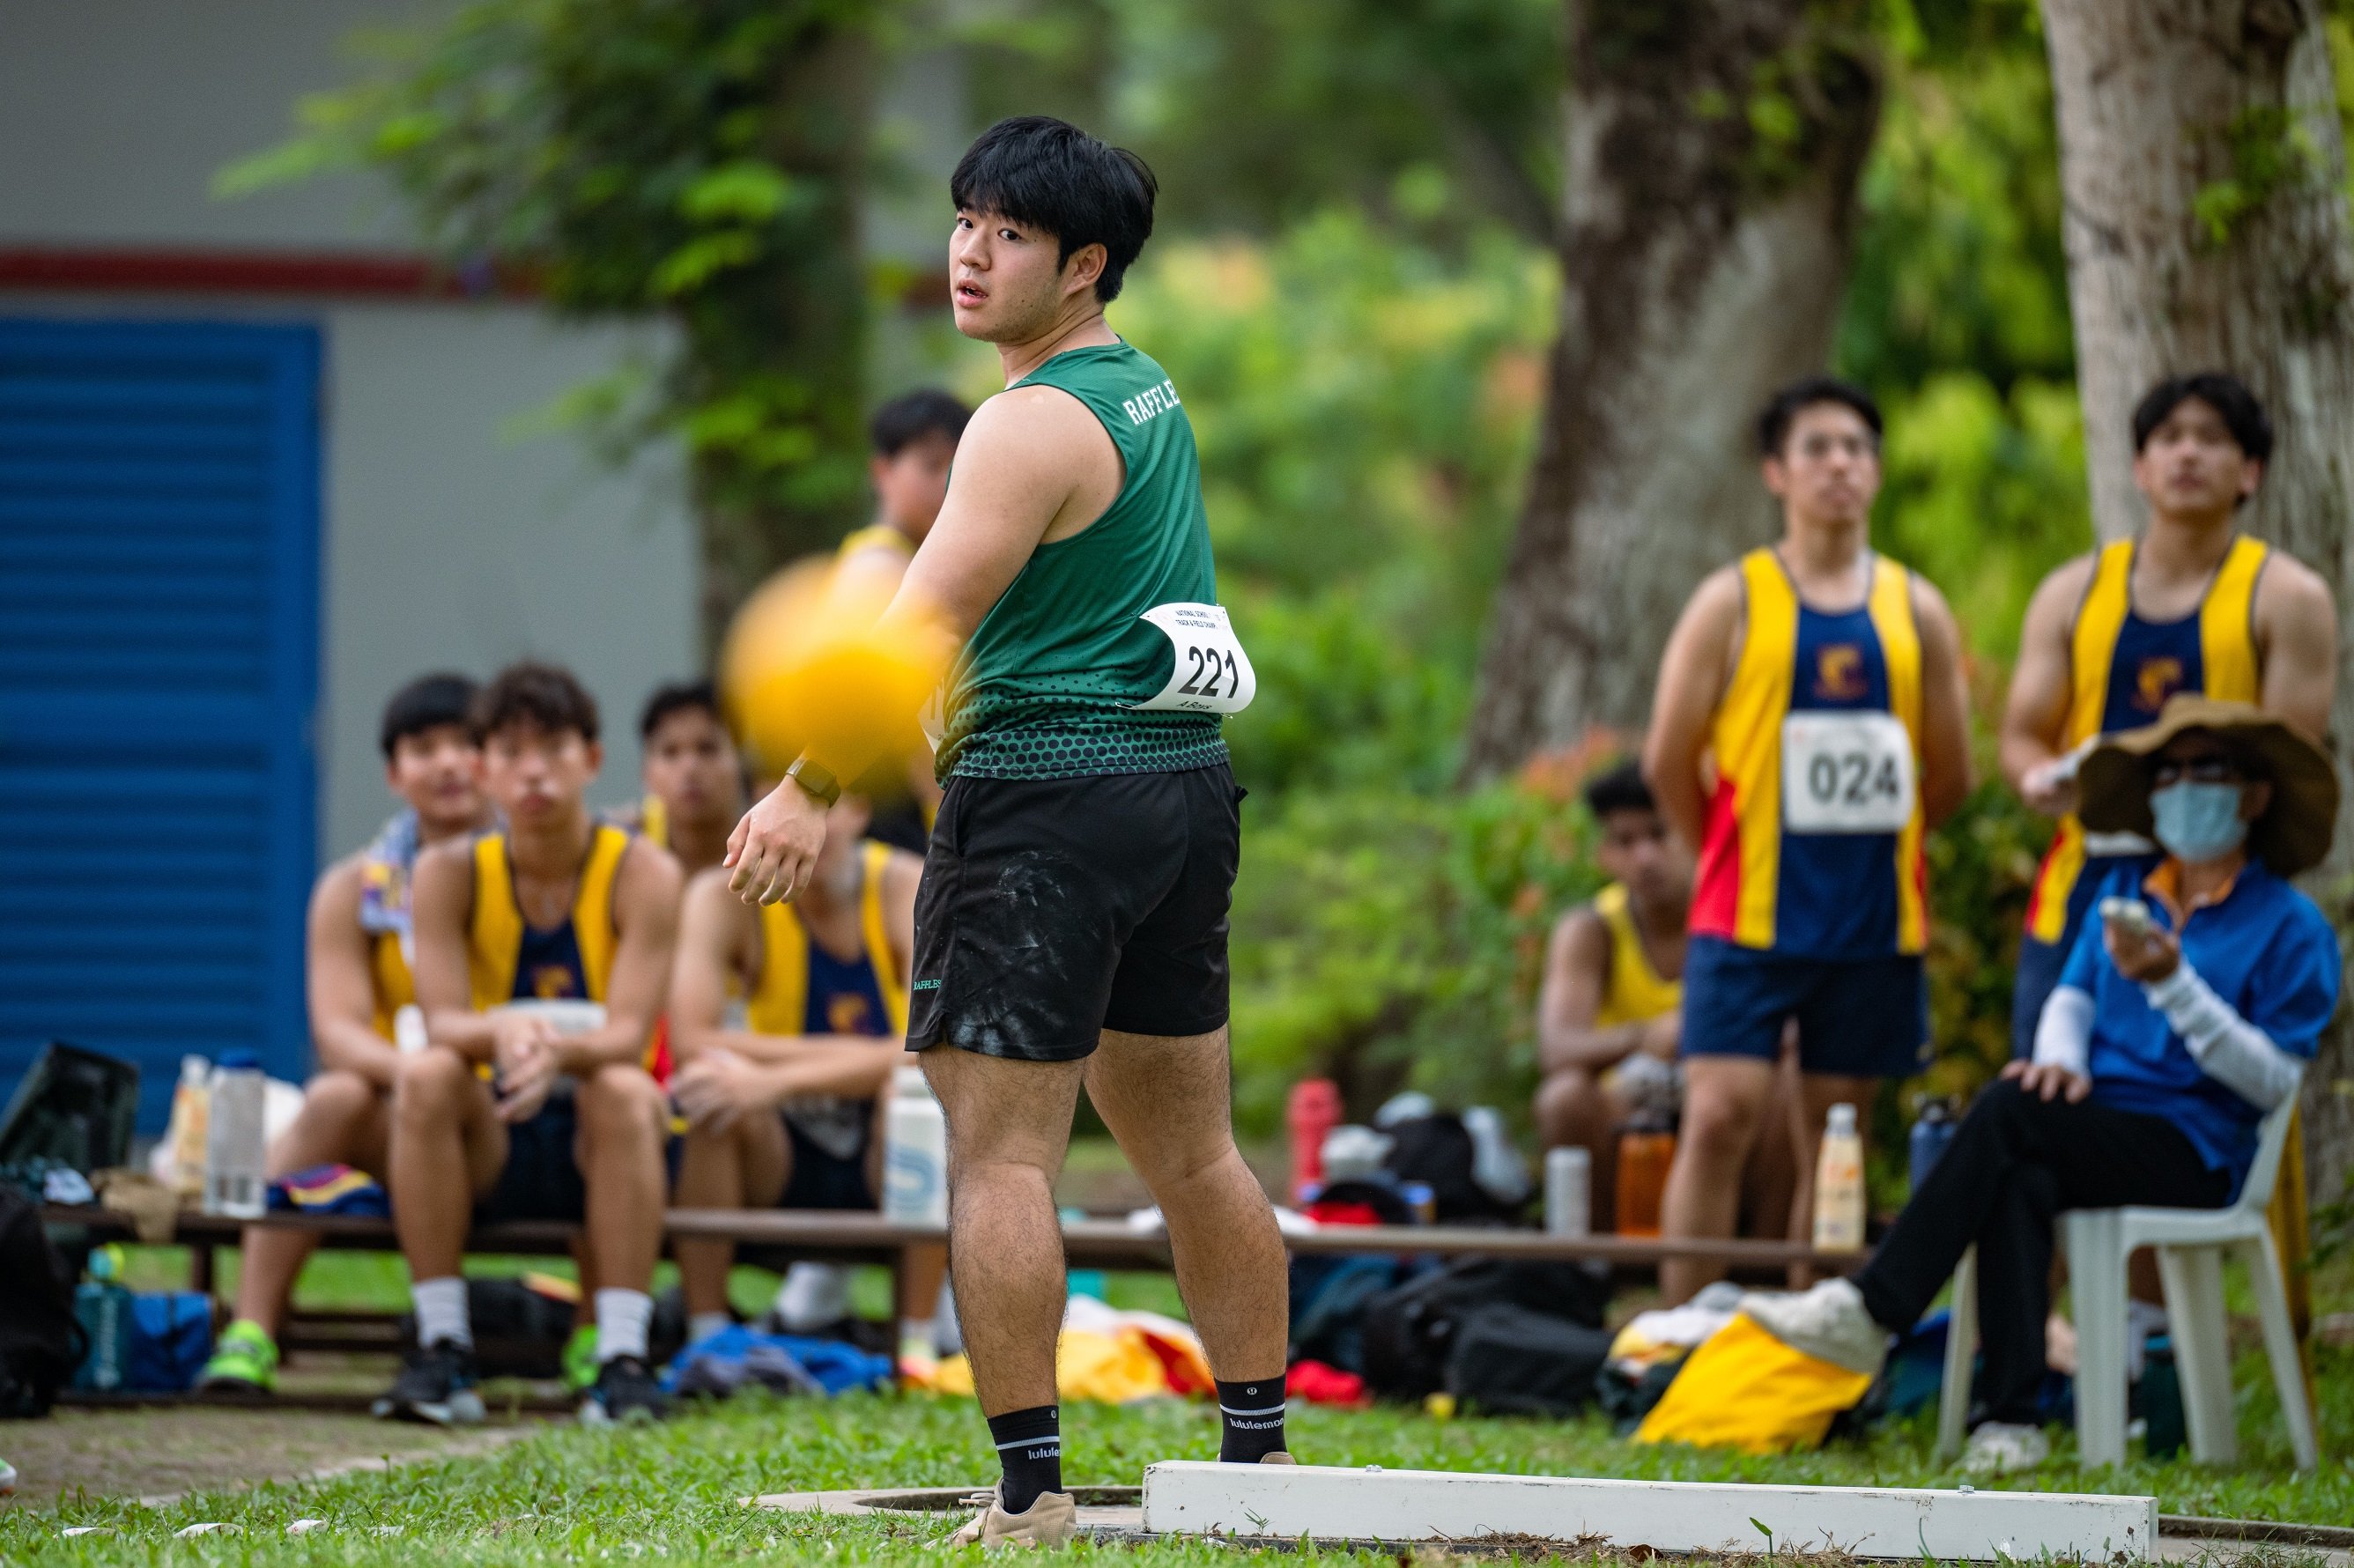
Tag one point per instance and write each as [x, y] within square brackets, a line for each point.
[40, 1342]
[1509, 1360]
[1436, 1150]
[1410, 1331]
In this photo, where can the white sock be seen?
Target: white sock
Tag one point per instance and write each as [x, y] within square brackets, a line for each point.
[441, 1306]
[621, 1319]
[701, 1326]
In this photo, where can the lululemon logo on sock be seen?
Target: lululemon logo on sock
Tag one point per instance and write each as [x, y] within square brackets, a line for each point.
[1051, 1451]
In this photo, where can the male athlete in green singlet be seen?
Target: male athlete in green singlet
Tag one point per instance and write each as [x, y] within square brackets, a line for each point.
[1071, 924]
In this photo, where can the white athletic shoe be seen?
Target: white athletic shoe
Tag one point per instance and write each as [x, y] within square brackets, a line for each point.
[814, 1295]
[1051, 1520]
[2000, 1448]
[1829, 1323]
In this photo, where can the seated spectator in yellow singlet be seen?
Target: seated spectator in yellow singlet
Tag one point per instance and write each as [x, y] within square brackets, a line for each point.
[914, 439]
[361, 999]
[694, 779]
[785, 1089]
[1610, 1011]
[543, 955]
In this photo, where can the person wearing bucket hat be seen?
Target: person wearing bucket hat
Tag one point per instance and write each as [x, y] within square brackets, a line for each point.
[2183, 1014]
[2190, 604]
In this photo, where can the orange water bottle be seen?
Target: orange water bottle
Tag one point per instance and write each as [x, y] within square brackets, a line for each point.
[1646, 1149]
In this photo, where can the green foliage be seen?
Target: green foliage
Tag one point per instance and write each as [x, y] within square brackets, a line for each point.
[1957, 317]
[634, 157]
[2270, 152]
[1442, 116]
[1364, 409]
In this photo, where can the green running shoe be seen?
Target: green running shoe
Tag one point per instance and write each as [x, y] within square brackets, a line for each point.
[580, 1359]
[245, 1361]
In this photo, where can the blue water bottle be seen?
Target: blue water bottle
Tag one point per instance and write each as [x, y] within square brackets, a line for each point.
[1933, 1131]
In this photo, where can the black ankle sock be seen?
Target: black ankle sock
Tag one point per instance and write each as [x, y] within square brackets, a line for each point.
[1252, 1415]
[1030, 1446]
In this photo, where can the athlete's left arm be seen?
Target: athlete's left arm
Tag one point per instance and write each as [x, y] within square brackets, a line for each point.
[2297, 636]
[1945, 705]
[645, 913]
[1031, 460]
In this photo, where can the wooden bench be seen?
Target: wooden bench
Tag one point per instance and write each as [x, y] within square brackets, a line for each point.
[862, 1236]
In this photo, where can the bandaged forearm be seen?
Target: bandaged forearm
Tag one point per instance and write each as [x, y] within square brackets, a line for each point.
[2064, 1032]
[2227, 1047]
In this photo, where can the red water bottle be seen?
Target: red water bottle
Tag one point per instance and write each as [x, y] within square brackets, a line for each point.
[1314, 1110]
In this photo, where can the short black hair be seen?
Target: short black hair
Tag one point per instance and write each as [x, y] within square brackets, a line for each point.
[911, 416]
[548, 696]
[678, 697]
[1619, 788]
[1050, 174]
[427, 703]
[1774, 420]
[2243, 415]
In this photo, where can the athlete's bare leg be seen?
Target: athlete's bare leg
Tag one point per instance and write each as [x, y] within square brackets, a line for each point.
[1725, 1101]
[742, 1166]
[1009, 1126]
[1168, 1101]
[346, 1118]
[620, 1151]
[448, 1148]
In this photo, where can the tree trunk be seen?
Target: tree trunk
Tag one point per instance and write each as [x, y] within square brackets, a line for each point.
[1713, 147]
[2203, 168]
[800, 486]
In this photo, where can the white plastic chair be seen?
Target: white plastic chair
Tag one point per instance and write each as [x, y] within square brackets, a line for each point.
[2191, 1245]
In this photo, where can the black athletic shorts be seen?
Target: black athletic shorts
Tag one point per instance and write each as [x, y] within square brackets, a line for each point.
[1054, 909]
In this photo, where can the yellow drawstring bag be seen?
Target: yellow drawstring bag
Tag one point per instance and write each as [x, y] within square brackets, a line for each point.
[1745, 1389]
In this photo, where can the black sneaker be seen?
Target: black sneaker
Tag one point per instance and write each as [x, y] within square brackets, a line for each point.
[436, 1384]
[625, 1390]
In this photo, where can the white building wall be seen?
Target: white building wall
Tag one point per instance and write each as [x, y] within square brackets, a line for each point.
[459, 532]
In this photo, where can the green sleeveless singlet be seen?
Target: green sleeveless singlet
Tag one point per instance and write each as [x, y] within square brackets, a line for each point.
[1047, 687]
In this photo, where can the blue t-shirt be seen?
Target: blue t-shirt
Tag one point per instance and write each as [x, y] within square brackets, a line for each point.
[2266, 948]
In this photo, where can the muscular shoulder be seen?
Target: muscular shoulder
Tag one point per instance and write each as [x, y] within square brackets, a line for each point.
[1934, 616]
[1581, 939]
[1042, 424]
[711, 904]
[648, 878]
[2053, 607]
[337, 891]
[2289, 587]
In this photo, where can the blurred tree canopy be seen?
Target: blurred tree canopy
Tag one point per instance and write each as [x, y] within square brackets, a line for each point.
[703, 163]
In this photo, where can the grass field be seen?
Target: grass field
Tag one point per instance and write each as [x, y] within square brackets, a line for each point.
[670, 1493]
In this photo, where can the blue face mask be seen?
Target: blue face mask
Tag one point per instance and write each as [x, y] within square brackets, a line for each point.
[2198, 822]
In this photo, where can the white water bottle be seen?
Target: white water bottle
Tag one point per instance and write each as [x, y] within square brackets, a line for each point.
[1568, 1185]
[1839, 1184]
[234, 1184]
[915, 1153]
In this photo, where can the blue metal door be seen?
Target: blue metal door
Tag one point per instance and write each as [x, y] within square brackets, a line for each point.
[159, 587]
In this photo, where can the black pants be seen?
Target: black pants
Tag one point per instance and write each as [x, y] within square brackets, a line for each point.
[2016, 1162]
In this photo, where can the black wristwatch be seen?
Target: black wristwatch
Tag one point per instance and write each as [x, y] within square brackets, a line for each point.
[816, 780]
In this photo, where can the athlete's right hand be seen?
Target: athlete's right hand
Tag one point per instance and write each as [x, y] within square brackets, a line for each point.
[2050, 788]
[775, 848]
[523, 1050]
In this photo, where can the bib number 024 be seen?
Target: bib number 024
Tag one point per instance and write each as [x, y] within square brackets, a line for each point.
[1210, 672]
[1846, 773]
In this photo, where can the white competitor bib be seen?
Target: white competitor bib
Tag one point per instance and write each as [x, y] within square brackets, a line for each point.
[1846, 773]
[1212, 674]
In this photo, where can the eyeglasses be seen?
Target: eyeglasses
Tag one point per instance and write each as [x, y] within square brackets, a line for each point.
[2198, 770]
